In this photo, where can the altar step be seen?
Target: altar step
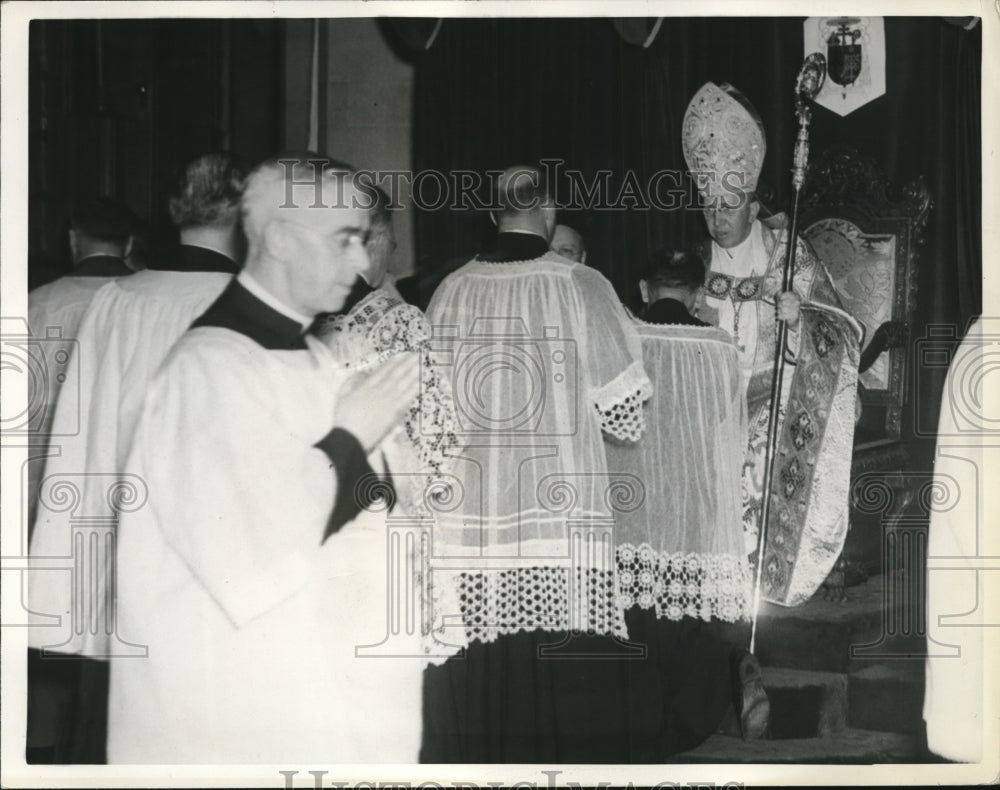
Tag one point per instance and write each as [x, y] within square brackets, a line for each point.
[848, 747]
[845, 682]
[877, 623]
[806, 704]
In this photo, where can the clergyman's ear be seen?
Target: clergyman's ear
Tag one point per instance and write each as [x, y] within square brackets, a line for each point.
[278, 241]
[73, 244]
[644, 291]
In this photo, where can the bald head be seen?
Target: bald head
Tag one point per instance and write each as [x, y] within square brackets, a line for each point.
[568, 243]
[288, 183]
[523, 197]
[306, 222]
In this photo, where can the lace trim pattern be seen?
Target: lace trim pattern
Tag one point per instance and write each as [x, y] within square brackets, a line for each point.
[483, 605]
[684, 584]
[619, 403]
[379, 327]
[431, 425]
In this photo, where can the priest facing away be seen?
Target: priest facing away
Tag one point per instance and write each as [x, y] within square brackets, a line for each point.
[250, 573]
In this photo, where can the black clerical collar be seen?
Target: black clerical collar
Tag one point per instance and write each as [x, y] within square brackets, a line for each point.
[191, 258]
[670, 311]
[359, 291]
[515, 247]
[239, 310]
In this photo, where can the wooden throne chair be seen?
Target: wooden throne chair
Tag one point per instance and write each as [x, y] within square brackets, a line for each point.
[869, 238]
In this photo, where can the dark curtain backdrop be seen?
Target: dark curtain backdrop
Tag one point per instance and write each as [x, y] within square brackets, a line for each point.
[493, 92]
[116, 105]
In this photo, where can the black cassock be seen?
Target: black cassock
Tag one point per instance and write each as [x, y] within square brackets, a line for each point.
[515, 700]
[504, 704]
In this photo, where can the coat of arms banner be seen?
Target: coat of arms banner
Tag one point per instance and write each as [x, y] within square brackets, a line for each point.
[854, 48]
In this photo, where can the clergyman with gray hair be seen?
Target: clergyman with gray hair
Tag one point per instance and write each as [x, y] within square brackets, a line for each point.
[204, 205]
[255, 574]
[125, 334]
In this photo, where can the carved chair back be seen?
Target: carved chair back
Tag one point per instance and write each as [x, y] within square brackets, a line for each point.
[869, 238]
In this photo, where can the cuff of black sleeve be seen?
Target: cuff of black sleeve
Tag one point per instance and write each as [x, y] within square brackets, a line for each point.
[350, 464]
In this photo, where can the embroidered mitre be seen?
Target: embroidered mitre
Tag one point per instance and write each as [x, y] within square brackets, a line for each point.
[723, 140]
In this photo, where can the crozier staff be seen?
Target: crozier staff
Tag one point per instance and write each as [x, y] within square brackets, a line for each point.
[724, 144]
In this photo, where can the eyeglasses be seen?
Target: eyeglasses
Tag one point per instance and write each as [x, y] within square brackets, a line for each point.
[345, 237]
[375, 236]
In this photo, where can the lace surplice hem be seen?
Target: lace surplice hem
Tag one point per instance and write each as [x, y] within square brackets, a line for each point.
[684, 584]
[482, 605]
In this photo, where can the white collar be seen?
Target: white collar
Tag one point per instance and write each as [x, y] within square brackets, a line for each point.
[245, 279]
[522, 231]
[208, 247]
[99, 255]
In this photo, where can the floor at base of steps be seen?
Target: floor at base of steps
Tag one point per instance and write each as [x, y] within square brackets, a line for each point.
[848, 747]
[804, 704]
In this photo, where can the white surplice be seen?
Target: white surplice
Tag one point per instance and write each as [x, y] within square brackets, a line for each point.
[126, 333]
[541, 357]
[957, 602]
[679, 535]
[251, 623]
[54, 314]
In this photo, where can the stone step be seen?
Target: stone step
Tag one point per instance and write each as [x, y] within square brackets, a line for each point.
[833, 636]
[887, 696]
[847, 747]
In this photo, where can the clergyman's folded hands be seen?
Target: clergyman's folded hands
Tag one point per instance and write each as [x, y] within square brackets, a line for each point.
[372, 403]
